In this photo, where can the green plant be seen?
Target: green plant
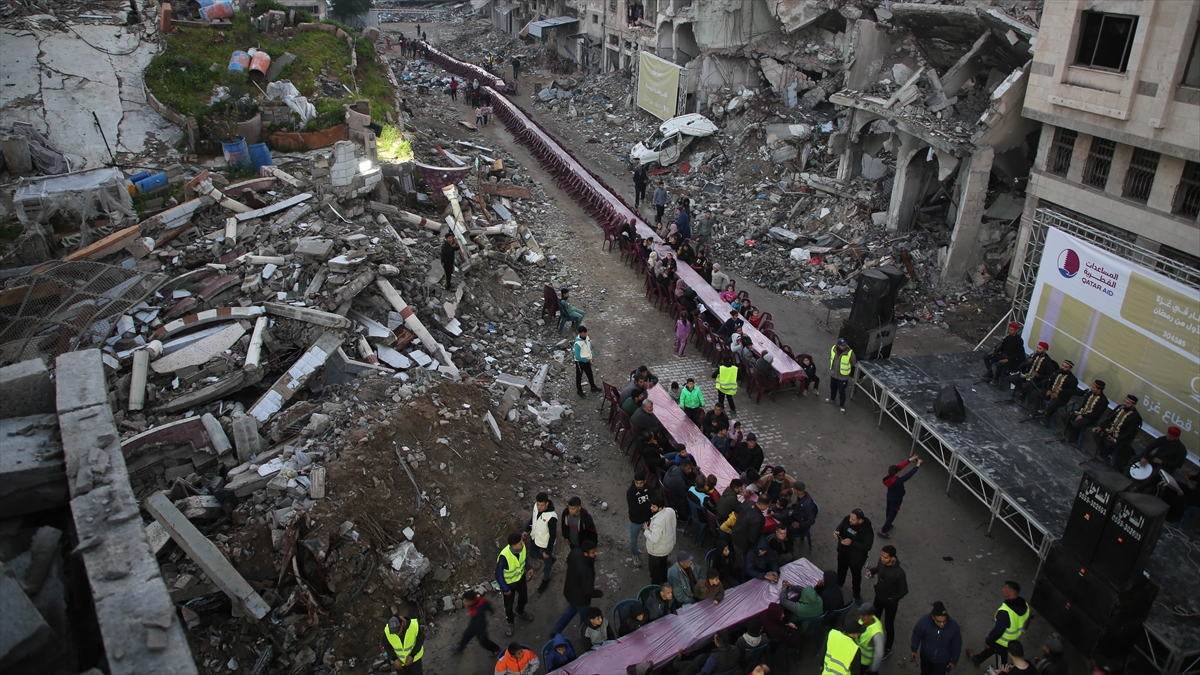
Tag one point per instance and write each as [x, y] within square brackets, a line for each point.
[392, 146]
[220, 124]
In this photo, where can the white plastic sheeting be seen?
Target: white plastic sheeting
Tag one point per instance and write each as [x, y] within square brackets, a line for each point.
[285, 90]
[81, 195]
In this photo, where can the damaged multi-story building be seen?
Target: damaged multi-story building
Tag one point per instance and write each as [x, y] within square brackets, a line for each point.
[1118, 94]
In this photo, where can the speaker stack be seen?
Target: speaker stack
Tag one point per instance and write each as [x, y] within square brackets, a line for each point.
[870, 328]
[1091, 587]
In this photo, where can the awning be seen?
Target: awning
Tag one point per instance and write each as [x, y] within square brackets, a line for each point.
[537, 27]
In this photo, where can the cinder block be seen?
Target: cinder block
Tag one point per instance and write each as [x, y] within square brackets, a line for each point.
[26, 389]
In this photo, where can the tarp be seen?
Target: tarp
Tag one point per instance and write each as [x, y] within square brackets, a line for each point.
[85, 194]
[659, 641]
[683, 430]
[1123, 323]
[658, 86]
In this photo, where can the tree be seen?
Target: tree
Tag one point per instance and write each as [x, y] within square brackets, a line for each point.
[345, 9]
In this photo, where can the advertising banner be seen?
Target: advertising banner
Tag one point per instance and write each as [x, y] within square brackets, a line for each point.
[658, 86]
[1122, 323]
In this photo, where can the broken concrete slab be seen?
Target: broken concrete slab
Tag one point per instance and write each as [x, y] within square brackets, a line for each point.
[208, 316]
[307, 315]
[24, 634]
[200, 507]
[32, 474]
[207, 556]
[26, 389]
[285, 387]
[246, 438]
[200, 352]
[136, 618]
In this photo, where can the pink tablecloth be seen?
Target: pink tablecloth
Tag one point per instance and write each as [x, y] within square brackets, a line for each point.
[695, 624]
[682, 430]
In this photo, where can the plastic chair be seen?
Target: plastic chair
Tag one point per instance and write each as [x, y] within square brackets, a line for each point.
[834, 619]
[651, 286]
[767, 316]
[612, 396]
[712, 527]
[759, 382]
[752, 657]
[621, 610]
[770, 335]
[644, 594]
[624, 430]
[708, 557]
[807, 627]
[547, 648]
[808, 533]
[549, 306]
[701, 522]
[562, 321]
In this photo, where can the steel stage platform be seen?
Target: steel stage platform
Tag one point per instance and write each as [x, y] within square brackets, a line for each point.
[1027, 479]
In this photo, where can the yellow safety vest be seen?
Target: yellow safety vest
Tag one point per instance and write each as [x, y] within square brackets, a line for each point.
[845, 366]
[865, 645]
[727, 380]
[403, 645]
[839, 654]
[515, 569]
[1016, 624]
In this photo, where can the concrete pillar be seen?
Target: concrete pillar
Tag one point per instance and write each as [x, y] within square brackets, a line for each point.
[965, 252]
[909, 176]
[870, 47]
[1083, 144]
[1166, 181]
[1120, 166]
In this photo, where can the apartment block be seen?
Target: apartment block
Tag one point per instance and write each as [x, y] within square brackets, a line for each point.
[1118, 94]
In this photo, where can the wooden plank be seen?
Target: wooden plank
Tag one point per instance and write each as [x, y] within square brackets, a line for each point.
[106, 246]
[206, 555]
[510, 191]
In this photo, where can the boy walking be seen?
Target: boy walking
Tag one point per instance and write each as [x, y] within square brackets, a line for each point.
[479, 609]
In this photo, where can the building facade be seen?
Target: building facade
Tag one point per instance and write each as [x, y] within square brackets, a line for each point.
[1118, 95]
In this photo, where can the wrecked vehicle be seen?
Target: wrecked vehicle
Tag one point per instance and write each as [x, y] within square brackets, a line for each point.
[667, 144]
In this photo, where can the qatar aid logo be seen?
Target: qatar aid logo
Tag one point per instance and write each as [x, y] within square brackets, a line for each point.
[1068, 263]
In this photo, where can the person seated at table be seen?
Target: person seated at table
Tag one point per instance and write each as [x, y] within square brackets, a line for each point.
[675, 242]
[713, 420]
[635, 619]
[723, 658]
[775, 482]
[764, 366]
[727, 329]
[562, 653]
[710, 587]
[735, 434]
[702, 264]
[688, 299]
[697, 495]
[637, 382]
[762, 563]
[597, 631]
[747, 455]
[678, 479]
[810, 376]
[721, 441]
[781, 545]
[743, 349]
[710, 489]
[801, 602]
[728, 295]
[686, 255]
[753, 637]
[649, 448]
[724, 561]
[755, 318]
[650, 378]
[679, 456]
[635, 401]
[662, 602]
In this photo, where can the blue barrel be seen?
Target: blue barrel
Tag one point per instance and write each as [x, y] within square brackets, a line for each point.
[141, 175]
[239, 61]
[236, 153]
[151, 183]
[260, 156]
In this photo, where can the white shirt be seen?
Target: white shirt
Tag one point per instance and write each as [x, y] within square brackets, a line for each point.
[660, 538]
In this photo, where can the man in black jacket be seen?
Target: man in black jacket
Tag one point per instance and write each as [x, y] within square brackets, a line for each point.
[748, 528]
[714, 419]
[855, 537]
[1006, 356]
[729, 500]
[638, 498]
[449, 254]
[1059, 388]
[748, 454]
[1115, 432]
[577, 524]
[644, 419]
[890, 587]
[579, 587]
[1091, 408]
[804, 512]
[723, 658]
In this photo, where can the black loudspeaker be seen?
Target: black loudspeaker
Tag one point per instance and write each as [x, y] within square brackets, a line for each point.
[898, 279]
[1110, 633]
[949, 405]
[869, 343]
[1129, 537]
[1093, 502]
[870, 308]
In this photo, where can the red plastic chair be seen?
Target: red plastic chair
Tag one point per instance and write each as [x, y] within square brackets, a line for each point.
[651, 287]
[612, 397]
[759, 384]
[549, 305]
[770, 335]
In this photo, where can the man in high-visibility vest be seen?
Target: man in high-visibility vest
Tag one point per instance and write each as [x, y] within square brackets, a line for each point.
[726, 376]
[841, 648]
[511, 575]
[1011, 621]
[404, 642]
[871, 640]
[841, 364]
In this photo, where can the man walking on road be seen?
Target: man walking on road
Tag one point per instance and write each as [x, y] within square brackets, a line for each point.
[855, 539]
[511, 575]
[894, 483]
[583, 362]
[1011, 620]
[449, 254]
[579, 587]
[841, 364]
[890, 587]
[541, 532]
[660, 538]
[641, 178]
[938, 639]
[638, 497]
[659, 200]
